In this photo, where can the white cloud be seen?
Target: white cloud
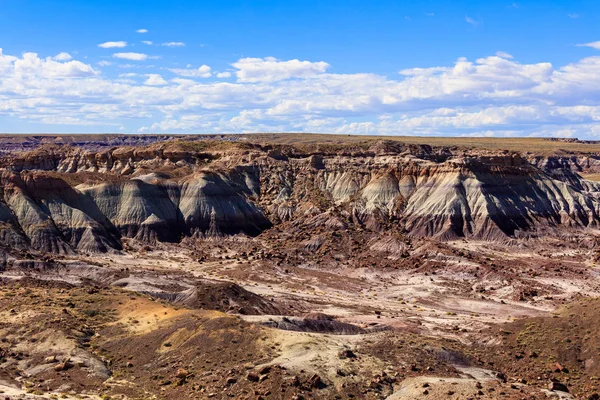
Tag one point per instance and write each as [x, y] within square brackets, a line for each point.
[142, 31]
[421, 71]
[225, 74]
[155, 80]
[471, 20]
[270, 69]
[110, 45]
[148, 42]
[104, 63]
[32, 66]
[62, 57]
[503, 54]
[174, 44]
[131, 56]
[204, 71]
[493, 95]
[593, 45]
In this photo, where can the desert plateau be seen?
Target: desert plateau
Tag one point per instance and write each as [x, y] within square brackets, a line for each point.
[298, 266]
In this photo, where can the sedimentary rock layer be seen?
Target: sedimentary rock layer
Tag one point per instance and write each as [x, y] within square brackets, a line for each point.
[63, 199]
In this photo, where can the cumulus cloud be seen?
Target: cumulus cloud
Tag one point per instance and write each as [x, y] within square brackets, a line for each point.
[131, 56]
[142, 31]
[495, 95]
[62, 57]
[593, 45]
[270, 69]
[503, 54]
[155, 80]
[421, 71]
[174, 44]
[147, 42]
[204, 71]
[32, 66]
[110, 45]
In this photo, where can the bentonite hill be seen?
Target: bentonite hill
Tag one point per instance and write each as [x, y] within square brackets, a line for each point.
[296, 266]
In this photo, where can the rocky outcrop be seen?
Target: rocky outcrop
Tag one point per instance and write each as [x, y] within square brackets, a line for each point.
[136, 209]
[318, 324]
[67, 200]
[214, 295]
[49, 215]
[489, 202]
[213, 204]
[485, 196]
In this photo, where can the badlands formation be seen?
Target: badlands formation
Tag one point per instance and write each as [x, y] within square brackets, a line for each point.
[298, 267]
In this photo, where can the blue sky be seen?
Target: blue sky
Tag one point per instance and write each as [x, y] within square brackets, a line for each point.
[493, 68]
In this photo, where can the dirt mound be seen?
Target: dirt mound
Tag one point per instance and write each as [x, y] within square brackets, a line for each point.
[227, 297]
[321, 323]
[39, 283]
[199, 294]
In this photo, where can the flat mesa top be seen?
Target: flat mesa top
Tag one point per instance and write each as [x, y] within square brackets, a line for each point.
[522, 144]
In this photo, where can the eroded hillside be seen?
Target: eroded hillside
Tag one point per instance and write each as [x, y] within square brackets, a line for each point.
[65, 199]
[266, 267]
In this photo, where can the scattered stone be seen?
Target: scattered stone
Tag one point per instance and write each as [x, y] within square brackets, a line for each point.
[252, 376]
[50, 360]
[231, 381]
[264, 370]
[63, 366]
[315, 381]
[346, 353]
[558, 387]
[182, 373]
[501, 376]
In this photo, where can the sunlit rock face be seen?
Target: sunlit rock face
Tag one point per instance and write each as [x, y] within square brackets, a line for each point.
[67, 200]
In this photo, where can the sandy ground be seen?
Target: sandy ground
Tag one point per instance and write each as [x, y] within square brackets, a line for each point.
[480, 285]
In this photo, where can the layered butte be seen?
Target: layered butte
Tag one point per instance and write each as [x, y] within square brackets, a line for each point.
[63, 199]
